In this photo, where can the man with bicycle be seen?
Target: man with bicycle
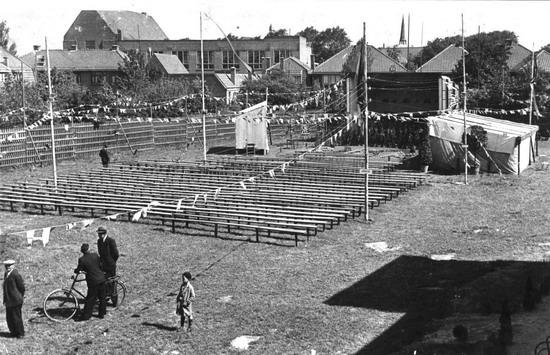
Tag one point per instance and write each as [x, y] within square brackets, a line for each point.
[108, 256]
[95, 280]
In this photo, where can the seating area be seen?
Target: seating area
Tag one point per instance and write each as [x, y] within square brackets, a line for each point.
[247, 196]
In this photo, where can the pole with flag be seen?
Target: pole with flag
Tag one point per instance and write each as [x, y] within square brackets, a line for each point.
[532, 85]
[50, 101]
[202, 95]
[362, 75]
[464, 112]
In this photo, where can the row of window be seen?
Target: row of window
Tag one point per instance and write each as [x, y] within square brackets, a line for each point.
[229, 59]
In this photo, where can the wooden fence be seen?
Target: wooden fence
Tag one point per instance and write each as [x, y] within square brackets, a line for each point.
[81, 139]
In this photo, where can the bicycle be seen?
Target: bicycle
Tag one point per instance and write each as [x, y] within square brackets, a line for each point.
[63, 304]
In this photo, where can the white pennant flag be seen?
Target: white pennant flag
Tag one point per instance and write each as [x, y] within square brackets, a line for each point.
[136, 216]
[86, 223]
[195, 200]
[242, 184]
[272, 173]
[217, 192]
[178, 207]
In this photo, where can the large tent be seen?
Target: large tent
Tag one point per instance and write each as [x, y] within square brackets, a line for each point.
[251, 128]
[510, 145]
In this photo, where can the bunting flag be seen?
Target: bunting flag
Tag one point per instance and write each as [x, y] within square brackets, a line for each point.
[178, 207]
[44, 236]
[217, 192]
[86, 223]
[195, 200]
[112, 217]
[136, 216]
[242, 184]
[272, 173]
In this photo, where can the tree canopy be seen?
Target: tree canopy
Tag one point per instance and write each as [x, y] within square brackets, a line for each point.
[326, 43]
[5, 38]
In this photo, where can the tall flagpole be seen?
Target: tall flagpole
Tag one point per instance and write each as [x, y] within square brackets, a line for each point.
[366, 127]
[464, 112]
[532, 86]
[50, 101]
[203, 107]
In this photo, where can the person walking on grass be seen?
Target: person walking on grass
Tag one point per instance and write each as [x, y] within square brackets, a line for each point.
[95, 280]
[104, 155]
[14, 291]
[108, 256]
[184, 301]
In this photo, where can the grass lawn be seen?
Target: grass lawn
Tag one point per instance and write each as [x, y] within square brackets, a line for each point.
[334, 295]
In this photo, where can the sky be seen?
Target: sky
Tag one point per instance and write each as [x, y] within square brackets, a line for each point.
[35, 21]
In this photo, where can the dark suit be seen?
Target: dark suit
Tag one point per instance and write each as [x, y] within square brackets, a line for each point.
[95, 280]
[14, 290]
[108, 255]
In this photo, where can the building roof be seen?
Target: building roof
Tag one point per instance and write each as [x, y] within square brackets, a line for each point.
[519, 55]
[225, 80]
[381, 62]
[443, 62]
[171, 64]
[14, 64]
[79, 60]
[543, 61]
[291, 63]
[133, 25]
[402, 52]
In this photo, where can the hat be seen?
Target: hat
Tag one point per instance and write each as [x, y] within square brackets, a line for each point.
[9, 262]
[102, 230]
[187, 275]
[84, 247]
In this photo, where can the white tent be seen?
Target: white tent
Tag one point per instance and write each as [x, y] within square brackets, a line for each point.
[251, 128]
[510, 145]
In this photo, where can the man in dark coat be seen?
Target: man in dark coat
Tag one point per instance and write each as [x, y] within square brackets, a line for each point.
[14, 291]
[104, 155]
[95, 280]
[108, 256]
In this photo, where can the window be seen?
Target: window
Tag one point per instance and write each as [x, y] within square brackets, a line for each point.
[98, 78]
[279, 55]
[78, 78]
[90, 44]
[255, 59]
[183, 56]
[229, 60]
[208, 60]
[159, 52]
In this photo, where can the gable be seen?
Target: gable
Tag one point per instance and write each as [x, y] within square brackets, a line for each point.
[444, 62]
[168, 63]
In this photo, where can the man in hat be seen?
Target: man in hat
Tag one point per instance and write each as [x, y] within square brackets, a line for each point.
[95, 280]
[14, 291]
[108, 256]
[104, 155]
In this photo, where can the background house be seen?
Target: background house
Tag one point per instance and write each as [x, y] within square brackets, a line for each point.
[11, 65]
[295, 68]
[90, 68]
[94, 29]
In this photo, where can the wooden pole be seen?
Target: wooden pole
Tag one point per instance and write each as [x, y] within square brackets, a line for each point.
[50, 102]
[464, 112]
[202, 92]
[366, 123]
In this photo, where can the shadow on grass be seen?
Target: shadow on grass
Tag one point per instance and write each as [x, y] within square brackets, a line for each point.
[426, 290]
[160, 326]
[5, 335]
[223, 151]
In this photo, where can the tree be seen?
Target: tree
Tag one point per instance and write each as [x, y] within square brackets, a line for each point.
[277, 33]
[5, 38]
[281, 87]
[326, 43]
[135, 76]
[309, 33]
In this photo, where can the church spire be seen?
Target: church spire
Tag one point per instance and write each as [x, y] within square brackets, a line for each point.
[402, 39]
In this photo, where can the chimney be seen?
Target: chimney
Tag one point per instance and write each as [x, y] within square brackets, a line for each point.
[114, 47]
[312, 60]
[144, 14]
[36, 47]
[119, 35]
[234, 75]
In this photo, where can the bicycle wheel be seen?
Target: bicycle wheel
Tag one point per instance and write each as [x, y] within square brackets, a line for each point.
[118, 294]
[60, 305]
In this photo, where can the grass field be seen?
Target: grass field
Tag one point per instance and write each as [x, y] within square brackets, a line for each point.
[334, 295]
